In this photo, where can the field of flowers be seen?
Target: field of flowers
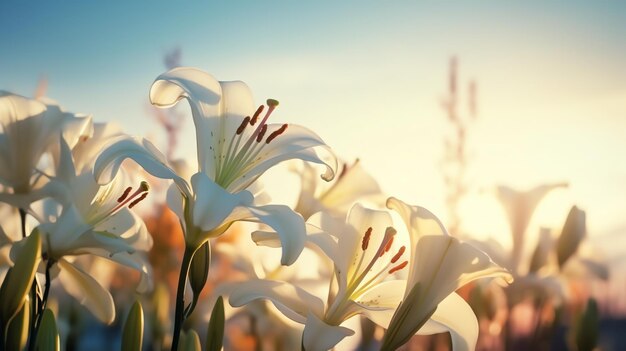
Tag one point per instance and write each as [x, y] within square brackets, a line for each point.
[112, 238]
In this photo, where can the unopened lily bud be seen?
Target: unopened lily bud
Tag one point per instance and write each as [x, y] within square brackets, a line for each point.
[20, 277]
[572, 234]
[215, 333]
[48, 336]
[191, 341]
[132, 337]
[199, 272]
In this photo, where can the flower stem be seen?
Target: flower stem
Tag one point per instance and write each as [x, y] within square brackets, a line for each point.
[179, 316]
[44, 303]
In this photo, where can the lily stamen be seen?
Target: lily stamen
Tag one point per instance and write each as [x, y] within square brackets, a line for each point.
[143, 196]
[271, 104]
[230, 163]
[356, 280]
[380, 275]
[276, 133]
[243, 125]
[387, 247]
[397, 256]
[125, 200]
[398, 267]
[366, 239]
[125, 194]
[261, 134]
[255, 117]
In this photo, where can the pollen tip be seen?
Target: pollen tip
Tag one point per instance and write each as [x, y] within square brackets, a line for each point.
[138, 200]
[144, 186]
[398, 267]
[397, 256]
[272, 102]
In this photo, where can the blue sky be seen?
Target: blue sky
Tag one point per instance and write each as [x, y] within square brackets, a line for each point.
[368, 76]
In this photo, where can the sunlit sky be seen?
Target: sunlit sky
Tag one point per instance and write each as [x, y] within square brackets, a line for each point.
[368, 77]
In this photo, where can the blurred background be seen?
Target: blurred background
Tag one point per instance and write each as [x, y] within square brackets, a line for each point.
[442, 103]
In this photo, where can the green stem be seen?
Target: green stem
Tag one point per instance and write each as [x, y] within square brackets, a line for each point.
[44, 302]
[179, 315]
[23, 221]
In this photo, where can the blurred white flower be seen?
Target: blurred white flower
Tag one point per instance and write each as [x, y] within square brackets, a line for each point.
[519, 207]
[30, 128]
[351, 184]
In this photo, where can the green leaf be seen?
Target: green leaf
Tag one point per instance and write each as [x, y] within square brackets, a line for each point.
[198, 274]
[17, 335]
[190, 341]
[132, 336]
[215, 333]
[572, 234]
[48, 336]
[19, 280]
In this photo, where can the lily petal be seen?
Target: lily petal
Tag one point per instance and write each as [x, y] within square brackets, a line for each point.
[141, 151]
[443, 264]
[316, 240]
[294, 302]
[319, 336]
[353, 185]
[217, 108]
[288, 224]
[379, 303]
[454, 315]
[212, 204]
[87, 291]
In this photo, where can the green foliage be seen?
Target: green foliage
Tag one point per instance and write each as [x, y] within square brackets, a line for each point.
[17, 335]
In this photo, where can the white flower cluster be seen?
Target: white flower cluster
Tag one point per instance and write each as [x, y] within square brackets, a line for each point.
[63, 176]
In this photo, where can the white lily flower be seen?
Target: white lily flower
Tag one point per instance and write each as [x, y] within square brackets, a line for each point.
[371, 278]
[441, 265]
[97, 221]
[235, 145]
[29, 129]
